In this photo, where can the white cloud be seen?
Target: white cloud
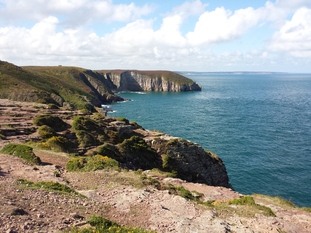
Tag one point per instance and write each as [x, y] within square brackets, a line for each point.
[137, 44]
[190, 8]
[72, 12]
[221, 25]
[295, 35]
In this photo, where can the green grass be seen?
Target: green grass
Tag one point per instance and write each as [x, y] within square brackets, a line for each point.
[250, 202]
[46, 185]
[22, 151]
[102, 225]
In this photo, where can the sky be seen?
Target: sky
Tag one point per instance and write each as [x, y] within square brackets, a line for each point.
[195, 35]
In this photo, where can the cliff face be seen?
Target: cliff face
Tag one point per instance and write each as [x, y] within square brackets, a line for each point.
[191, 161]
[151, 81]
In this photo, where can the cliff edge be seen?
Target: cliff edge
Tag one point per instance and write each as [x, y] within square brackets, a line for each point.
[137, 80]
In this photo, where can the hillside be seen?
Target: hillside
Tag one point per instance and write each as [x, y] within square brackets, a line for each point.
[78, 88]
[65, 171]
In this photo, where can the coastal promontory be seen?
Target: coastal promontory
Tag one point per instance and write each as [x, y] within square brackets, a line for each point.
[79, 88]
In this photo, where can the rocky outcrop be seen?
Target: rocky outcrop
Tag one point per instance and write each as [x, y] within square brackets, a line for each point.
[193, 163]
[190, 161]
[150, 81]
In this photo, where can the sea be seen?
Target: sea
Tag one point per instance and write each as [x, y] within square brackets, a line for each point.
[259, 124]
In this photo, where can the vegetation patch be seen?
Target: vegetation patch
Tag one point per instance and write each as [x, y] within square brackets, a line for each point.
[109, 150]
[248, 201]
[22, 151]
[46, 185]
[59, 144]
[88, 131]
[124, 120]
[54, 122]
[46, 132]
[100, 224]
[137, 154]
[91, 163]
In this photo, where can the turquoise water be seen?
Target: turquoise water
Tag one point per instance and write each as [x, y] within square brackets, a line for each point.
[259, 124]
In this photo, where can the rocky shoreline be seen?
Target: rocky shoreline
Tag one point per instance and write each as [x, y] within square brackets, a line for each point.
[121, 195]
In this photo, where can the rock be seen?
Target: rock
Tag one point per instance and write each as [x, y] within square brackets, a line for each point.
[191, 161]
[19, 211]
[151, 81]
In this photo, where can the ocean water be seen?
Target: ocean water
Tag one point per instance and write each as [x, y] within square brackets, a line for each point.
[258, 124]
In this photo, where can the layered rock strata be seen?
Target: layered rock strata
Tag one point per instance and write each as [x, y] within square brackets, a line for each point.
[150, 81]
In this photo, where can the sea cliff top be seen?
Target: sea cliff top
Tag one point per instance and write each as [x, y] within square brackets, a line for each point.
[72, 190]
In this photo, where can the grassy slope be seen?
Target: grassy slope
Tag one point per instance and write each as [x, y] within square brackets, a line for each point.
[40, 82]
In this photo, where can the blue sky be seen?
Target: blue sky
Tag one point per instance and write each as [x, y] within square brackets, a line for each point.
[195, 35]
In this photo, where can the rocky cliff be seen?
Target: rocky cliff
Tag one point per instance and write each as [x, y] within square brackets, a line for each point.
[150, 81]
[44, 197]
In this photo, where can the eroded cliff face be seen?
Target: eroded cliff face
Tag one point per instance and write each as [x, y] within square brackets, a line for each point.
[142, 81]
[191, 162]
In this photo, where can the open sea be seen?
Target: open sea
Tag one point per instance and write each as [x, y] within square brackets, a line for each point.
[258, 124]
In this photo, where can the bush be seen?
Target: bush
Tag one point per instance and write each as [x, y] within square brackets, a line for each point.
[21, 151]
[53, 121]
[91, 163]
[46, 131]
[107, 149]
[98, 221]
[137, 154]
[58, 143]
[84, 123]
[86, 138]
[88, 132]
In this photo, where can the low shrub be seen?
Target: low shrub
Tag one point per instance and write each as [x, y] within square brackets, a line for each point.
[59, 144]
[54, 122]
[84, 123]
[46, 131]
[86, 138]
[98, 221]
[88, 131]
[21, 151]
[91, 163]
[108, 149]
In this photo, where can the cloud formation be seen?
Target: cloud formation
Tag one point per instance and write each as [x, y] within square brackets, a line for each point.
[294, 36]
[101, 34]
